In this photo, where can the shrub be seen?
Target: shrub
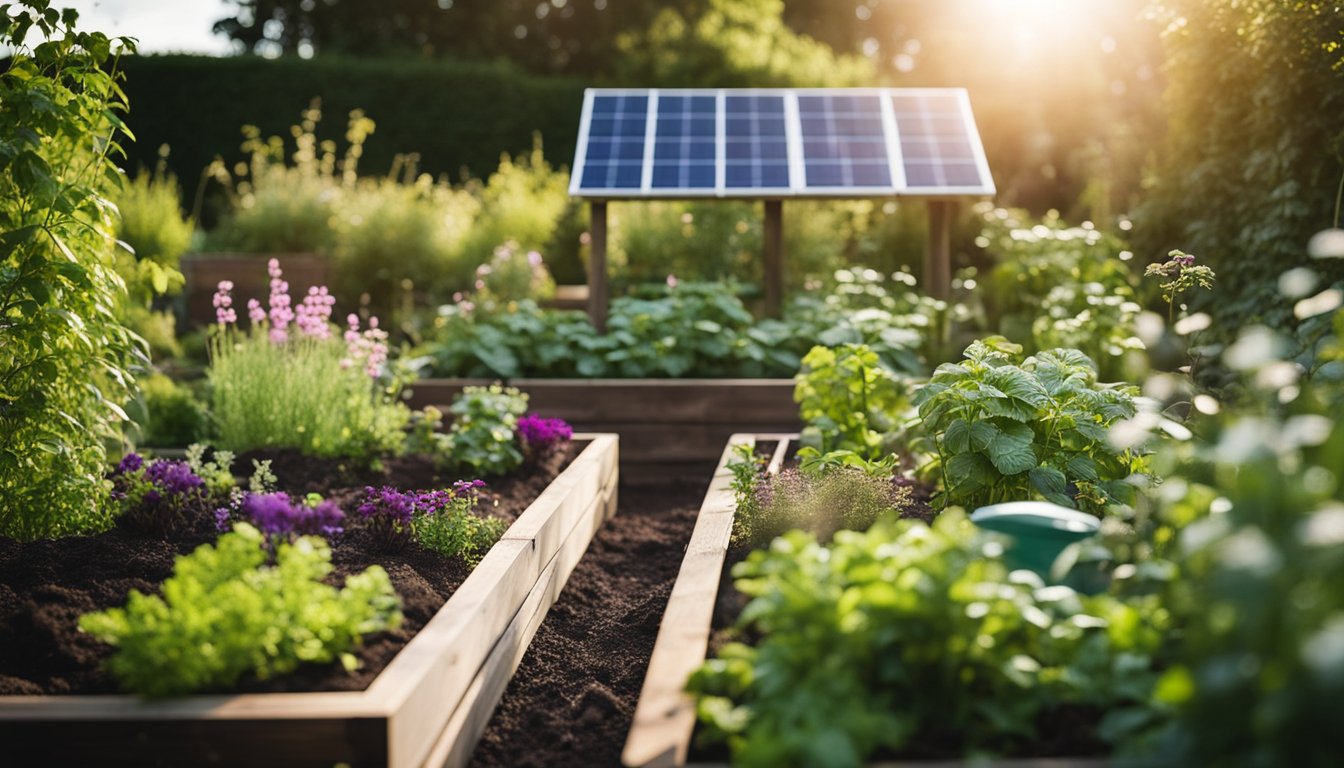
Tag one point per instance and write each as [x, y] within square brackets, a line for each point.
[65, 361]
[1006, 429]
[483, 437]
[225, 613]
[173, 416]
[913, 638]
[151, 223]
[277, 387]
[522, 202]
[848, 401]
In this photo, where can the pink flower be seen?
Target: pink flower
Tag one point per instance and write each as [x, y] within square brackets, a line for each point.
[534, 259]
[223, 302]
[671, 281]
[254, 311]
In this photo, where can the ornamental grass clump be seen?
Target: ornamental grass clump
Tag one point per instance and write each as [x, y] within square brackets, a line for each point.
[227, 612]
[443, 521]
[288, 382]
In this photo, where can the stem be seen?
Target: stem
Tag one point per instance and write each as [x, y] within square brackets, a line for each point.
[1339, 198]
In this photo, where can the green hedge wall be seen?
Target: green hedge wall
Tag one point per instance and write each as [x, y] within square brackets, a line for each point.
[455, 115]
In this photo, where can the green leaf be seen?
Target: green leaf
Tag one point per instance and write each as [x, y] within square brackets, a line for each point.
[1011, 452]
[1048, 480]
[1081, 466]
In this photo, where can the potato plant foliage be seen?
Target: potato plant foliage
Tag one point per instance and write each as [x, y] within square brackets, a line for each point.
[225, 613]
[1007, 429]
[65, 360]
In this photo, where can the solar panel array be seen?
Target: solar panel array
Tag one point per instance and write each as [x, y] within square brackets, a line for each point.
[842, 142]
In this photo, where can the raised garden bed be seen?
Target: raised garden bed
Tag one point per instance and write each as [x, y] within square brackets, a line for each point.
[426, 707]
[671, 429]
[665, 719]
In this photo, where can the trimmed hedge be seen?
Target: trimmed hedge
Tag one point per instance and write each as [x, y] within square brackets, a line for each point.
[456, 115]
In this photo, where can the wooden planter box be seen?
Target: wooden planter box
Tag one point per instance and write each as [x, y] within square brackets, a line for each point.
[660, 736]
[203, 271]
[428, 707]
[671, 429]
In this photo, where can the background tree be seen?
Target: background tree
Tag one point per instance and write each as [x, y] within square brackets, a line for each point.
[1253, 160]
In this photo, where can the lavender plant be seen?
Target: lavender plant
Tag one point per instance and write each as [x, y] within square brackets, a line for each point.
[280, 516]
[287, 382]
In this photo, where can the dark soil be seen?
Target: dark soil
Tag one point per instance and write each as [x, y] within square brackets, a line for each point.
[45, 586]
[573, 698]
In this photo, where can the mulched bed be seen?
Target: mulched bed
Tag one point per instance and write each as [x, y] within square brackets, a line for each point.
[45, 586]
[573, 698]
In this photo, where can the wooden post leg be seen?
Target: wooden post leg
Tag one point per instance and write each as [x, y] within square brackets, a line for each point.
[938, 254]
[774, 257]
[597, 265]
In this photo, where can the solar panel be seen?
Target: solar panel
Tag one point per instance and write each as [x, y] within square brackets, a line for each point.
[754, 143]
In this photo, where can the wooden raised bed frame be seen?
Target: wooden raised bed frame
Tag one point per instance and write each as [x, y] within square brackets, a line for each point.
[660, 736]
[428, 707]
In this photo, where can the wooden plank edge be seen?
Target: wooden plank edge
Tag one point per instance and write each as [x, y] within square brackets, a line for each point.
[437, 672]
[664, 715]
[458, 740]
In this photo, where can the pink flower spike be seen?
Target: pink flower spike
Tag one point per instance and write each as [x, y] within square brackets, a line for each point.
[254, 311]
[273, 268]
[225, 286]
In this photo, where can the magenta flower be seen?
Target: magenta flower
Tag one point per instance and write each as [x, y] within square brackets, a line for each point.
[541, 435]
[223, 302]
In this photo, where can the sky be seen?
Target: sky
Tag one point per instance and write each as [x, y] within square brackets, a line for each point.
[161, 26]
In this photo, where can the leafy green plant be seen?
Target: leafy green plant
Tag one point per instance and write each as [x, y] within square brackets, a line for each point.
[65, 361]
[1007, 429]
[483, 437]
[172, 414]
[914, 639]
[274, 386]
[848, 401]
[150, 221]
[225, 613]
[1253, 522]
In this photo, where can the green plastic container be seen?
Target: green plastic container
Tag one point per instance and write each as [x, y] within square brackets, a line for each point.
[1038, 531]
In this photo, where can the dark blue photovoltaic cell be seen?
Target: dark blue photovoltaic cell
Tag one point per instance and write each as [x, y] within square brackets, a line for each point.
[935, 140]
[685, 149]
[756, 144]
[844, 143]
[614, 156]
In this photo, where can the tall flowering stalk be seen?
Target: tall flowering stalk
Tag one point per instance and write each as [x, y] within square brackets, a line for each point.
[288, 382]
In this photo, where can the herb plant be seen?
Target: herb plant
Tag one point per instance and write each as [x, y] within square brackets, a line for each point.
[913, 639]
[444, 521]
[848, 401]
[820, 503]
[65, 361]
[1007, 429]
[225, 613]
[484, 437]
[281, 517]
[287, 383]
[158, 496]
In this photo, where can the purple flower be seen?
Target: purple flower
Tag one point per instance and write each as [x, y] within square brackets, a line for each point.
[222, 522]
[541, 435]
[174, 477]
[130, 463]
[276, 514]
[1184, 259]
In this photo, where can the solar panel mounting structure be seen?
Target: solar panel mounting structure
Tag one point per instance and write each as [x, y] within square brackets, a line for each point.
[778, 144]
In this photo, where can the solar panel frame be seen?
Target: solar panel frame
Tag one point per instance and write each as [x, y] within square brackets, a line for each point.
[896, 162]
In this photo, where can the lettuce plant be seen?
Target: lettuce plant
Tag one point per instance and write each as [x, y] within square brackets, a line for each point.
[1007, 429]
[225, 613]
[288, 382]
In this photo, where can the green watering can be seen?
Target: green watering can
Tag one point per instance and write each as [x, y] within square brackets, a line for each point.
[1038, 531]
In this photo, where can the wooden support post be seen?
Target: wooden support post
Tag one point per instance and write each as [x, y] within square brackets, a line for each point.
[597, 265]
[938, 254]
[774, 257]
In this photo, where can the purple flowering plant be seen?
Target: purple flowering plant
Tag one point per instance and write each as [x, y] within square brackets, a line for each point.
[157, 496]
[280, 516]
[444, 521]
[541, 436]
